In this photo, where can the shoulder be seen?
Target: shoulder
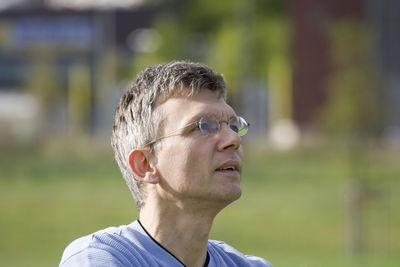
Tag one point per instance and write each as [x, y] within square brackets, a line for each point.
[222, 254]
[109, 246]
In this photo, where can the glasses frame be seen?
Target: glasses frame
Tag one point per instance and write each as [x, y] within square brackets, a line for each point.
[174, 133]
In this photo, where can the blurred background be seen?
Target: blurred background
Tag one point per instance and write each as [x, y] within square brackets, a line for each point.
[319, 82]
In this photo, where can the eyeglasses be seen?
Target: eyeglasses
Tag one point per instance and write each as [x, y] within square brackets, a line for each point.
[210, 125]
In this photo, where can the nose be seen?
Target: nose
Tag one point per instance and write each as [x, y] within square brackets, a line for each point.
[228, 139]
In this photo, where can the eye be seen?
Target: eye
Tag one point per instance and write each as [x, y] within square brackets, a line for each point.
[234, 124]
[203, 126]
[234, 128]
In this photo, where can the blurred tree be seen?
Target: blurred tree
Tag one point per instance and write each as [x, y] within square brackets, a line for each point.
[43, 82]
[79, 99]
[353, 114]
[241, 39]
[353, 109]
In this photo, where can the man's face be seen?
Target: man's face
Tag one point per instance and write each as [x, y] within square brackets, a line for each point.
[190, 163]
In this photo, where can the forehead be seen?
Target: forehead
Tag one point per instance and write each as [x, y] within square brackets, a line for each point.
[179, 110]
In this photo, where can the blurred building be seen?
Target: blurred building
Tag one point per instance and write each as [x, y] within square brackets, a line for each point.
[60, 62]
[312, 61]
[311, 58]
[61, 56]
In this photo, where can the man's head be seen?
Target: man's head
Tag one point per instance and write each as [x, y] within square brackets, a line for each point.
[138, 119]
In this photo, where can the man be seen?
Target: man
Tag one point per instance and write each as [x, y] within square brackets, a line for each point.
[178, 145]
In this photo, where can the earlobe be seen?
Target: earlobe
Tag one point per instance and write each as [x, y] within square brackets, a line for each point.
[140, 166]
[151, 178]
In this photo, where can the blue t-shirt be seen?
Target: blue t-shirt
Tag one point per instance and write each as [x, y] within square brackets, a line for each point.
[131, 245]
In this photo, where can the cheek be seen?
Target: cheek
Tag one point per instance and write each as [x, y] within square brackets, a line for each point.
[176, 162]
[184, 163]
[198, 163]
[194, 162]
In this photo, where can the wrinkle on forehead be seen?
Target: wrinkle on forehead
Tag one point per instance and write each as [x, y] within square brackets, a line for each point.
[221, 113]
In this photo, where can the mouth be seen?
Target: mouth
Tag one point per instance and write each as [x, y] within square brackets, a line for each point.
[230, 167]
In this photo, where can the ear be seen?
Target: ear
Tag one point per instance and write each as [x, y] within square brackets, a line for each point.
[140, 166]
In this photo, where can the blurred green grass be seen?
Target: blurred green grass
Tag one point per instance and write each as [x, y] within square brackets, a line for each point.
[292, 211]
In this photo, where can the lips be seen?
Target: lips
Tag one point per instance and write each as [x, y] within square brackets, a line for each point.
[230, 166]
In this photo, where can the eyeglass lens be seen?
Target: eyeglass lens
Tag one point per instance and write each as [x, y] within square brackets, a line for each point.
[210, 125]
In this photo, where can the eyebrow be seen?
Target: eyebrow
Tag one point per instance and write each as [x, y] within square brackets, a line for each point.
[219, 117]
[195, 118]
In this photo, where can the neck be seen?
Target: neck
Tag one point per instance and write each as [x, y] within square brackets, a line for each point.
[181, 230]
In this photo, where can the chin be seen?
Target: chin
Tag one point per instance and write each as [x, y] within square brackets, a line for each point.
[231, 195]
[236, 195]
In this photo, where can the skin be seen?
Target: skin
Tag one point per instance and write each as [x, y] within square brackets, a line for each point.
[185, 188]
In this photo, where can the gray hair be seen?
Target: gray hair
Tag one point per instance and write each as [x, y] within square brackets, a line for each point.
[137, 119]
